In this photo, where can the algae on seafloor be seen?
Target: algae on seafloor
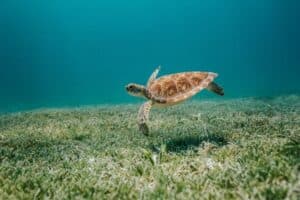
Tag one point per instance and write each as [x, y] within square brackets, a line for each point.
[244, 148]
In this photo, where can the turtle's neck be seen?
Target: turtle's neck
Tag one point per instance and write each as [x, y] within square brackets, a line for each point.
[146, 93]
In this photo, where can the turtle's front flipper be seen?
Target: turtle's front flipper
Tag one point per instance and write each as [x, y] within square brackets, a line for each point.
[153, 76]
[143, 117]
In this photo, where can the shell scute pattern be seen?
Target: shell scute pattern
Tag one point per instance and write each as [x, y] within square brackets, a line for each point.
[197, 78]
[183, 84]
[178, 87]
[169, 88]
[156, 90]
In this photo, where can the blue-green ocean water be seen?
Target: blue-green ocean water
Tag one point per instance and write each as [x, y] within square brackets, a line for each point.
[71, 53]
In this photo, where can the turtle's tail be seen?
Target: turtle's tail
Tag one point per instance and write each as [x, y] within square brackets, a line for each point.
[215, 88]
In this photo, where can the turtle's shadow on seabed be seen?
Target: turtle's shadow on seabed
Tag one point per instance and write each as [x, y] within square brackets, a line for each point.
[188, 142]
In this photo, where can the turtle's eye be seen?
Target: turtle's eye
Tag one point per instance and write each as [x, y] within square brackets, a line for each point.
[130, 87]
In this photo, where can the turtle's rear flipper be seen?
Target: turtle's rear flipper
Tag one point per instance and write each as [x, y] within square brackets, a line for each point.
[215, 88]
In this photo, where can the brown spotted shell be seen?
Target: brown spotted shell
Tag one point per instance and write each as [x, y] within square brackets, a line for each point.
[176, 88]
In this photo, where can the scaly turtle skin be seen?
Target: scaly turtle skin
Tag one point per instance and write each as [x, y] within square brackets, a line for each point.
[170, 90]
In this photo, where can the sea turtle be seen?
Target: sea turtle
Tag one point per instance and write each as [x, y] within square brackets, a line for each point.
[170, 90]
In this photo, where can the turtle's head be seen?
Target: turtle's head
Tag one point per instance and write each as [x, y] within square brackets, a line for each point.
[136, 90]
